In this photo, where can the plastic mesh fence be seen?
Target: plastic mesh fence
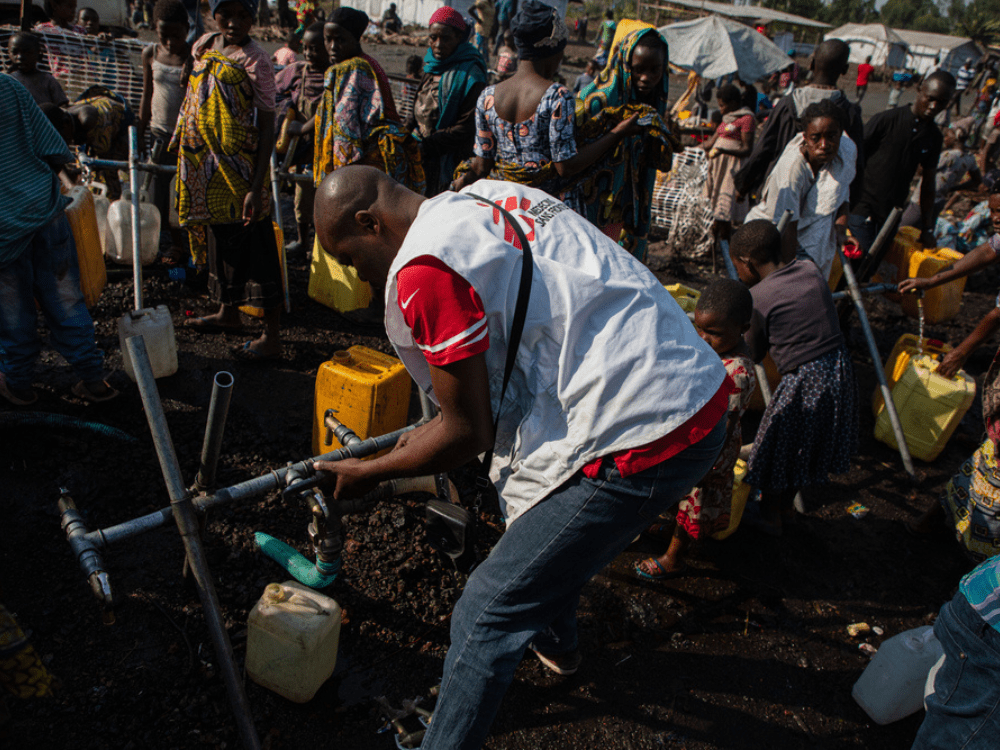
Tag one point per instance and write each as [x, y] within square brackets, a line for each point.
[79, 62]
[680, 209]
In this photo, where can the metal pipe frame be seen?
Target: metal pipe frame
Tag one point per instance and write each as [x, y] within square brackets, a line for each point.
[867, 289]
[133, 174]
[274, 480]
[187, 524]
[855, 295]
[880, 246]
[92, 163]
[276, 197]
[215, 427]
[89, 559]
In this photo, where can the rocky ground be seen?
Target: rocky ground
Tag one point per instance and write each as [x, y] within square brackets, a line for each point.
[748, 651]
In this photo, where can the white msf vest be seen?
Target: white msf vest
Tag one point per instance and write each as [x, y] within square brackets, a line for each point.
[607, 361]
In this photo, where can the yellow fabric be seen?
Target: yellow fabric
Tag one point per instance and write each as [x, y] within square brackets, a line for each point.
[217, 141]
[22, 673]
[625, 27]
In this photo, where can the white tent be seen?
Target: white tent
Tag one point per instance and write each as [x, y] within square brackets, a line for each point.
[419, 11]
[877, 40]
[924, 47]
[715, 46]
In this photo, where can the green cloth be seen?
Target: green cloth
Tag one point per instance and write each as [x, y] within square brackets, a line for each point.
[459, 72]
[620, 190]
[29, 192]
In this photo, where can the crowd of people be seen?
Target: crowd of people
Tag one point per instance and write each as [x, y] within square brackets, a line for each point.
[504, 226]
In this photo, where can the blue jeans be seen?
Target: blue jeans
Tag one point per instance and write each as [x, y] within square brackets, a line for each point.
[527, 590]
[47, 271]
[963, 712]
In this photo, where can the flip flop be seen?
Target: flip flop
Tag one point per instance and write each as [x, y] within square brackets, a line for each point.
[81, 391]
[246, 354]
[203, 325]
[663, 575]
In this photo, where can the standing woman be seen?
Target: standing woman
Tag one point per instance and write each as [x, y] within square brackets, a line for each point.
[483, 12]
[619, 196]
[355, 123]
[444, 112]
[731, 144]
[525, 128]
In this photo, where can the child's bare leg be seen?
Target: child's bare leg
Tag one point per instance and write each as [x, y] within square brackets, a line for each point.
[671, 561]
[269, 342]
[929, 521]
[774, 508]
[228, 316]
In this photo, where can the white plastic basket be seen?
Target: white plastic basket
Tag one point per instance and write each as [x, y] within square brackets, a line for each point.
[680, 209]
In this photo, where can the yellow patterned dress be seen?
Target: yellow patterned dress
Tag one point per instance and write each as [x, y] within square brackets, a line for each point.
[22, 673]
[354, 126]
[216, 141]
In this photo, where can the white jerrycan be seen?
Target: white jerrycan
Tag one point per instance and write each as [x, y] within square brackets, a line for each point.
[892, 685]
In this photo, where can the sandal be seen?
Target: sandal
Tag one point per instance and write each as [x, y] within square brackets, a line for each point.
[80, 390]
[662, 575]
[25, 397]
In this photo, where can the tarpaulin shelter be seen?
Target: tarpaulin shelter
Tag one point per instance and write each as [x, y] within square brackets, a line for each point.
[715, 46]
[882, 44]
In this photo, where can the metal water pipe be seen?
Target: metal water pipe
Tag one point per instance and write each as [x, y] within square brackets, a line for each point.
[187, 524]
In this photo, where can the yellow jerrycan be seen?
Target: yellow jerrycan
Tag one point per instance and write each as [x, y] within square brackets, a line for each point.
[336, 286]
[908, 259]
[685, 296]
[741, 493]
[929, 405]
[82, 218]
[368, 391]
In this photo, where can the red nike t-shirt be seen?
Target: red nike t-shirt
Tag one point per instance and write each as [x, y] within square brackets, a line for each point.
[448, 322]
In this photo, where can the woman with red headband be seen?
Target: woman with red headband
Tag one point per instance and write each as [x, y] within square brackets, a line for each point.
[444, 112]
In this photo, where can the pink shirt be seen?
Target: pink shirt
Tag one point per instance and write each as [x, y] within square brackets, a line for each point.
[285, 56]
[254, 60]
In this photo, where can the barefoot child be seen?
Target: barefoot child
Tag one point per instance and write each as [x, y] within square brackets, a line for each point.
[300, 86]
[164, 68]
[225, 134]
[721, 317]
[25, 49]
[810, 428]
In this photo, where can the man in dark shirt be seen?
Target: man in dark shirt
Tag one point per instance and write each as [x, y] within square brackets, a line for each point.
[828, 64]
[897, 141]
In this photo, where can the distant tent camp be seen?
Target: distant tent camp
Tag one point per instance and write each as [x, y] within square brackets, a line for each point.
[924, 47]
[884, 45]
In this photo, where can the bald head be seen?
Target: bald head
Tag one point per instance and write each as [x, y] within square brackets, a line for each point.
[362, 216]
[830, 61]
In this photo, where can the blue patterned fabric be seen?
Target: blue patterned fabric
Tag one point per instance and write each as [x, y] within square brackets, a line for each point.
[982, 589]
[547, 136]
[810, 428]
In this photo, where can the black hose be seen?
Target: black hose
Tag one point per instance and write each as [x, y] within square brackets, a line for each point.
[61, 421]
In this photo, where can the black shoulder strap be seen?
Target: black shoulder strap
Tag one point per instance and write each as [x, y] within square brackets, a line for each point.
[516, 328]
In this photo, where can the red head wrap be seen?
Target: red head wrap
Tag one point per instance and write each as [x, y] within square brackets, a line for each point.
[449, 17]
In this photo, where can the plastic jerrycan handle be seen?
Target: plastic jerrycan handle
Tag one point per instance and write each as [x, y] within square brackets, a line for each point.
[275, 595]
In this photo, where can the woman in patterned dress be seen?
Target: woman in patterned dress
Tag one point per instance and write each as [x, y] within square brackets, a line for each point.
[525, 126]
[355, 123]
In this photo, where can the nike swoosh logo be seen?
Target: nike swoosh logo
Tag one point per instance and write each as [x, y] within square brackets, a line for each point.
[406, 304]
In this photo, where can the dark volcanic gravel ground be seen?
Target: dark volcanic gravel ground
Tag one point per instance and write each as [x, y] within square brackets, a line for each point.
[749, 651]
